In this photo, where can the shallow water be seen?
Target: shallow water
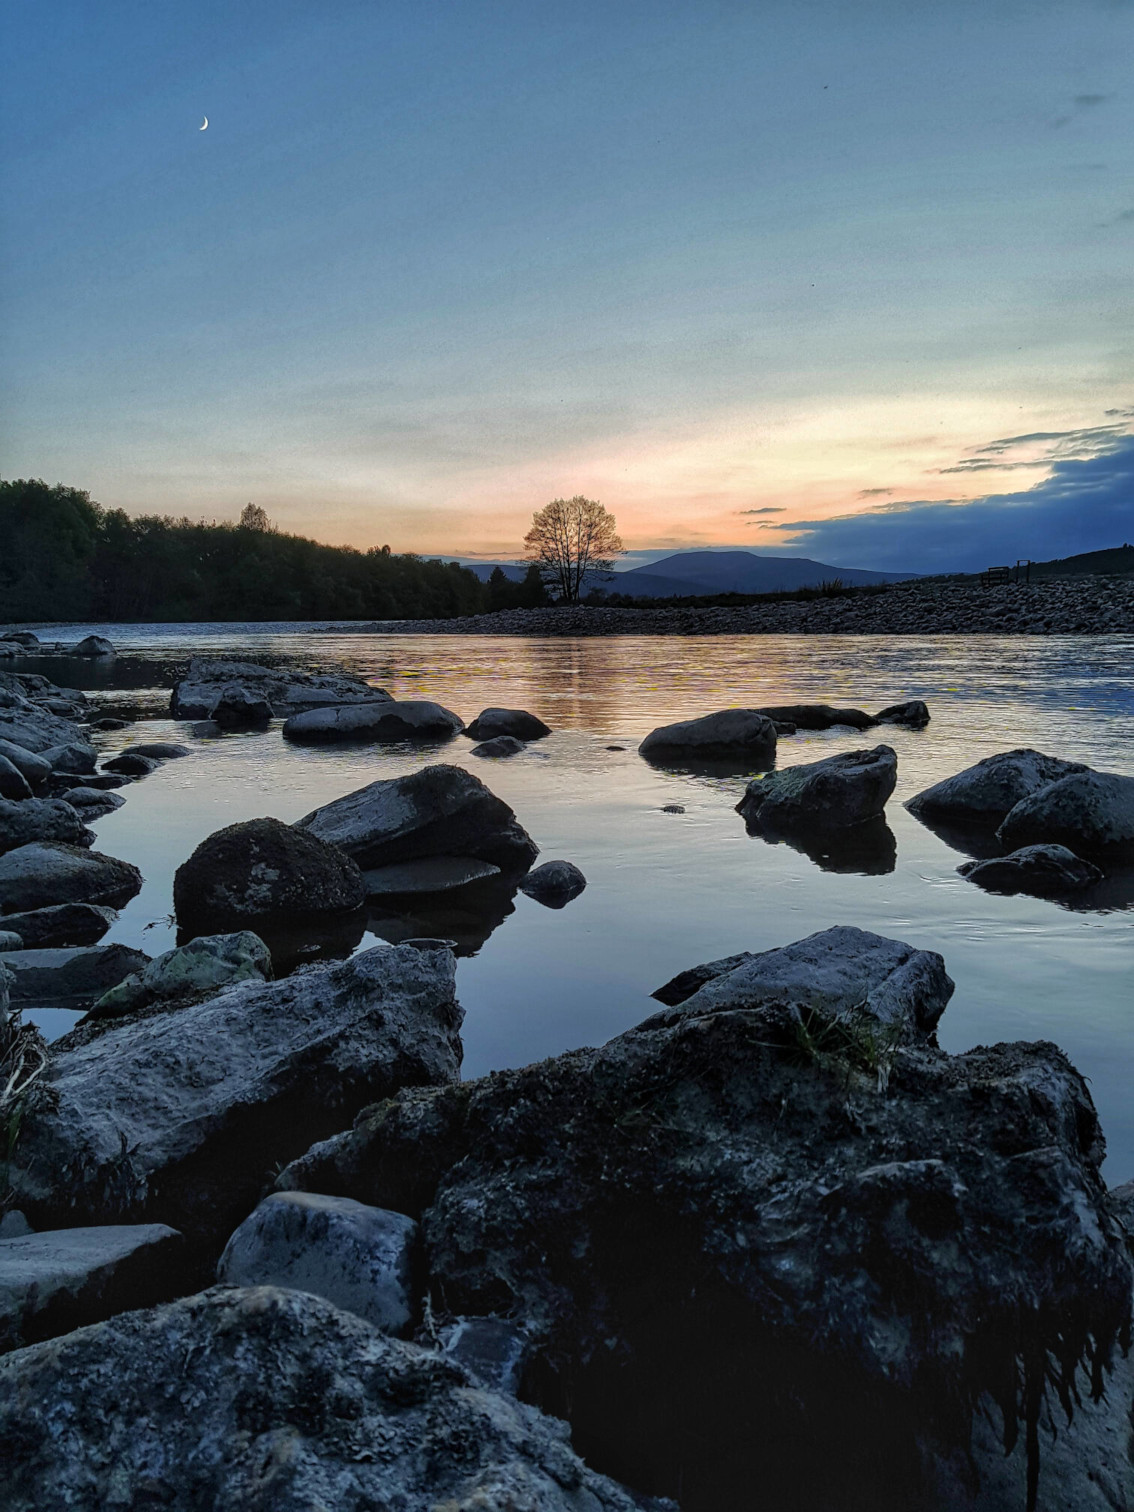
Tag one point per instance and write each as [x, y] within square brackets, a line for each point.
[666, 891]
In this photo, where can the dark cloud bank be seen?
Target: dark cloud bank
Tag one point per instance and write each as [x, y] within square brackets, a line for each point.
[1086, 505]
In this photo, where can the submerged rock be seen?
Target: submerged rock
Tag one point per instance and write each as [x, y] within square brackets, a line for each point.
[440, 810]
[48, 872]
[204, 965]
[198, 693]
[490, 723]
[242, 1398]
[1091, 813]
[818, 716]
[554, 883]
[177, 1117]
[130, 764]
[61, 924]
[404, 719]
[1041, 869]
[847, 789]
[428, 874]
[748, 733]
[158, 750]
[769, 1239]
[263, 868]
[93, 645]
[983, 794]
[913, 714]
[498, 746]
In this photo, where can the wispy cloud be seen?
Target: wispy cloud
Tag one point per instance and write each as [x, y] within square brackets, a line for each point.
[767, 510]
[1079, 103]
[873, 493]
[1046, 448]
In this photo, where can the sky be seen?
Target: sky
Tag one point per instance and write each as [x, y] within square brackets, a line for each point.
[845, 279]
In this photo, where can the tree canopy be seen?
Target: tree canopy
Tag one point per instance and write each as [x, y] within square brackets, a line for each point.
[571, 540]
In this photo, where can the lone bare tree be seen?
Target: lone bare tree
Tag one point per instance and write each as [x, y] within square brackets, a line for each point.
[569, 539]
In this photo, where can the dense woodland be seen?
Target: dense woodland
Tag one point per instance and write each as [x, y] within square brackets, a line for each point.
[62, 556]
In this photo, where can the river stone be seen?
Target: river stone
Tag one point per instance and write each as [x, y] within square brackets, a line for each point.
[260, 869]
[428, 874]
[93, 803]
[440, 810]
[818, 716]
[204, 965]
[767, 1246]
[1091, 813]
[1041, 869]
[836, 971]
[21, 637]
[54, 1282]
[198, 693]
[35, 729]
[240, 708]
[402, 719]
[731, 732]
[490, 723]
[32, 767]
[75, 758]
[23, 821]
[109, 722]
[839, 791]
[554, 883]
[62, 924]
[357, 1257]
[10, 940]
[984, 793]
[158, 750]
[130, 764]
[13, 783]
[177, 1117]
[262, 1399]
[93, 645]
[46, 872]
[499, 746]
[913, 714]
[71, 977]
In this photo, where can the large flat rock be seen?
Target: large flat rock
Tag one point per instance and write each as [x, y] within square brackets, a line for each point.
[199, 692]
[45, 873]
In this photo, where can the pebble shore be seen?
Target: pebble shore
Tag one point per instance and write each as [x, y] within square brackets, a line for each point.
[1051, 606]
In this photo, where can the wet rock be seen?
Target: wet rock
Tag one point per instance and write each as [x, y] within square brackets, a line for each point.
[839, 791]
[25, 638]
[92, 803]
[70, 976]
[403, 719]
[10, 940]
[818, 716]
[46, 872]
[107, 722]
[178, 1116]
[99, 782]
[31, 766]
[1045, 870]
[554, 883]
[130, 764]
[913, 714]
[440, 810]
[357, 1257]
[1089, 812]
[490, 723]
[769, 1239]
[14, 1225]
[31, 819]
[13, 783]
[499, 745]
[204, 965]
[428, 874]
[494, 1350]
[731, 732]
[197, 694]
[158, 750]
[673, 808]
[62, 924]
[985, 793]
[238, 708]
[294, 1403]
[54, 1282]
[263, 868]
[93, 645]
[74, 759]
[36, 730]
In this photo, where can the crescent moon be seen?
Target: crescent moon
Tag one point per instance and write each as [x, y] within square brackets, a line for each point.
[205, 127]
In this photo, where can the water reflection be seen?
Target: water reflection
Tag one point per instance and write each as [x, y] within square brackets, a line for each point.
[866, 850]
[466, 916]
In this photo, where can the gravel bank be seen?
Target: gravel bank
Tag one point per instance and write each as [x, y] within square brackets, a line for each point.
[1052, 606]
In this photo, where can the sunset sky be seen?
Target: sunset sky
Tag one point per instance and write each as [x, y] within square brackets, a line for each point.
[739, 270]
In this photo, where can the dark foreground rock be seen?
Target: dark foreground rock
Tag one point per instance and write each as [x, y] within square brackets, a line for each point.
[31, 819]
[770, 1239]
[199, 692]
[440, 810]
[263, 868]
[554, 883]
[51, 1283]
[61, 924]
[13, 783]
[1046, 870]
[744, 733]
[839, 791]
[490, 723]
[188, 971]
[1089, 812]
[32, 767]
[985, 793]
[44, 873]
[913, 714]
[178, 1117]
[241, 1399]
[404, 719]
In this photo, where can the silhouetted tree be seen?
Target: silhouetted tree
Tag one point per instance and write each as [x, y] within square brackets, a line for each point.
[252, 517]
[569, 540]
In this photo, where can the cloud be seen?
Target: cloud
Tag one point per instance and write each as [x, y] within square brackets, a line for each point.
[1087, 504]
[1047, 446]
[1085, 101]
[767, 509]
[873, 493]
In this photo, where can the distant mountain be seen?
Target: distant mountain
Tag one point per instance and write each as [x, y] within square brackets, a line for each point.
[484, 570]
[1116, 559]
[704, 572]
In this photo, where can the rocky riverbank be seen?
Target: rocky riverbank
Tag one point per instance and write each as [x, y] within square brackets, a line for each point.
[1051, 606]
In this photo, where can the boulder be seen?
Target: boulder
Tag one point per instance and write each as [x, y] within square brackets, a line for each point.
[35, 729]
[13, 783]
[158, 750]
[263, 868]
[198, 693]
[54, 1282]
[63, 924]
[240, 708]
[985, 793]
[178, 1116]
[93, 645]
[1046, 870]
[26, 638]
[818, 716]
[10, 940]
[404, 719]
[746, 733]
[47, 872]
[76, 757]
[554, 883]
[262, 1398]
[23, 821]
[782, 1241]
[1089, 812]
[92, 803]
[439, 810]
[360, 1258]
[204, 965]
[70, 977]
[839, 791]
[31, 766]
[130, 764]
[428, 874]
[913, 714]
[490, 723]
[498, 746]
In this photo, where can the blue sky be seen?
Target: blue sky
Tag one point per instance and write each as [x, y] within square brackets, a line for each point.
[430, 266]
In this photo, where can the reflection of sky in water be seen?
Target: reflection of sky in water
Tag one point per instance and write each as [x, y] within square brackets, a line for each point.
[666, 891]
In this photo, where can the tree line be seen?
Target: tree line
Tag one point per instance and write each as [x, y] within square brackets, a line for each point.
[63, 556]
